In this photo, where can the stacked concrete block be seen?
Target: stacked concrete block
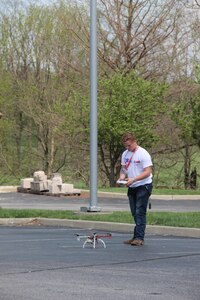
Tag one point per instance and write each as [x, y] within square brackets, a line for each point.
[55, 189]
[77, 191]
[49, 183]
[39, 186]
[39, 176]
[26, 183]
[56, 184]
[67, 188]
[40, 182]
[57, 179]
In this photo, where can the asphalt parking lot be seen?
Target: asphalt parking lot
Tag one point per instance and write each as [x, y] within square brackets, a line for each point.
[39, 262]
[105, 202]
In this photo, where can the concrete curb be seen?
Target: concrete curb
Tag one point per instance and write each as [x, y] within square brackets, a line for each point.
[8, 189]
[107, 226]
[153, 197]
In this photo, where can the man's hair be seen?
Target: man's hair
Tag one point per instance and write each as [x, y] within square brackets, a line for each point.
[128, 136]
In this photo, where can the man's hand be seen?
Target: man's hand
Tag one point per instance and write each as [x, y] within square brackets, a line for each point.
[130, 181]
[121, 181]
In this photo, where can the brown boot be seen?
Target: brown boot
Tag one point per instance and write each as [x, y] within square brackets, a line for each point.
[128, 242]
[137, 243]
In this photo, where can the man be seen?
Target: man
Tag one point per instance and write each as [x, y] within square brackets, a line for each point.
[136, 169]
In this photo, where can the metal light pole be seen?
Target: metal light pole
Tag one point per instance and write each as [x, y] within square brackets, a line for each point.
[93, 108]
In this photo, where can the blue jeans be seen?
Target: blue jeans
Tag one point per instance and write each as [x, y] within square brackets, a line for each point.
[138, 201]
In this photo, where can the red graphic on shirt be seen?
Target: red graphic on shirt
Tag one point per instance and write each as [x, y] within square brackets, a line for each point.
[128, 163]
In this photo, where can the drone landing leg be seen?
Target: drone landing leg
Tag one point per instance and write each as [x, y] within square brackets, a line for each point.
[88, 241]
[100, 240]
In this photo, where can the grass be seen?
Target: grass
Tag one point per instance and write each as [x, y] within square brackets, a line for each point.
[189, 219]
[155, 191]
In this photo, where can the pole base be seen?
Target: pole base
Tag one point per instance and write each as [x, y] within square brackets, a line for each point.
[90, 209]
[94, 209]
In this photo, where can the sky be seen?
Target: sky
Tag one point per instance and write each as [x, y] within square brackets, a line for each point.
[41, 2]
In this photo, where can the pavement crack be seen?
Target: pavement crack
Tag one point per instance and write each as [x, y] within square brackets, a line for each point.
[100, 265]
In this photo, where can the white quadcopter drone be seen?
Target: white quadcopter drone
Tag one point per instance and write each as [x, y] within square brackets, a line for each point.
[94, 239]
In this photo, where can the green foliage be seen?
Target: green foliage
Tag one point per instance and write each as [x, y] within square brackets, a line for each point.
[182, 114]
[129, 103]
[196, 120]
[195, 115]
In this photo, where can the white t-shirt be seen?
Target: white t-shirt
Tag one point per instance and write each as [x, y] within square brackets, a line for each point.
[140, 159]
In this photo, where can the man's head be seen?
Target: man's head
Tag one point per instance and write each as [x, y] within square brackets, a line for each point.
[129, 141]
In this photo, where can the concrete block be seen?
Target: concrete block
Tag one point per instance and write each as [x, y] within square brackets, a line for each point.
[26, 183]
[57, 179]
[39, 176]
[55, 188]
[49, 183]
[32, 185]
[77, 191]
[67, 188]
[39, 186]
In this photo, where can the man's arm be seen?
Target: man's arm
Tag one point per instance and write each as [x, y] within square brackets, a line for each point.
[146, 173]
[122, 174]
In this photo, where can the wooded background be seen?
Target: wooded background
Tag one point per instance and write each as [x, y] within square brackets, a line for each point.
[148, 82]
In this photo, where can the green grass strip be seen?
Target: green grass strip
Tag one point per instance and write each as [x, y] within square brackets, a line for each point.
[189, 219]
[169, 192]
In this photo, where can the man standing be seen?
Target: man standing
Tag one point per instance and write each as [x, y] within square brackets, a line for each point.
[136, 169]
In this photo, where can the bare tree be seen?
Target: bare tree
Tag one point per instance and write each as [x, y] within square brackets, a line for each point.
[197, 3]
[132, 33]
[41, 56]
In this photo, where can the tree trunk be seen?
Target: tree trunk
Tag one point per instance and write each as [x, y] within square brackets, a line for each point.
[187, 164]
